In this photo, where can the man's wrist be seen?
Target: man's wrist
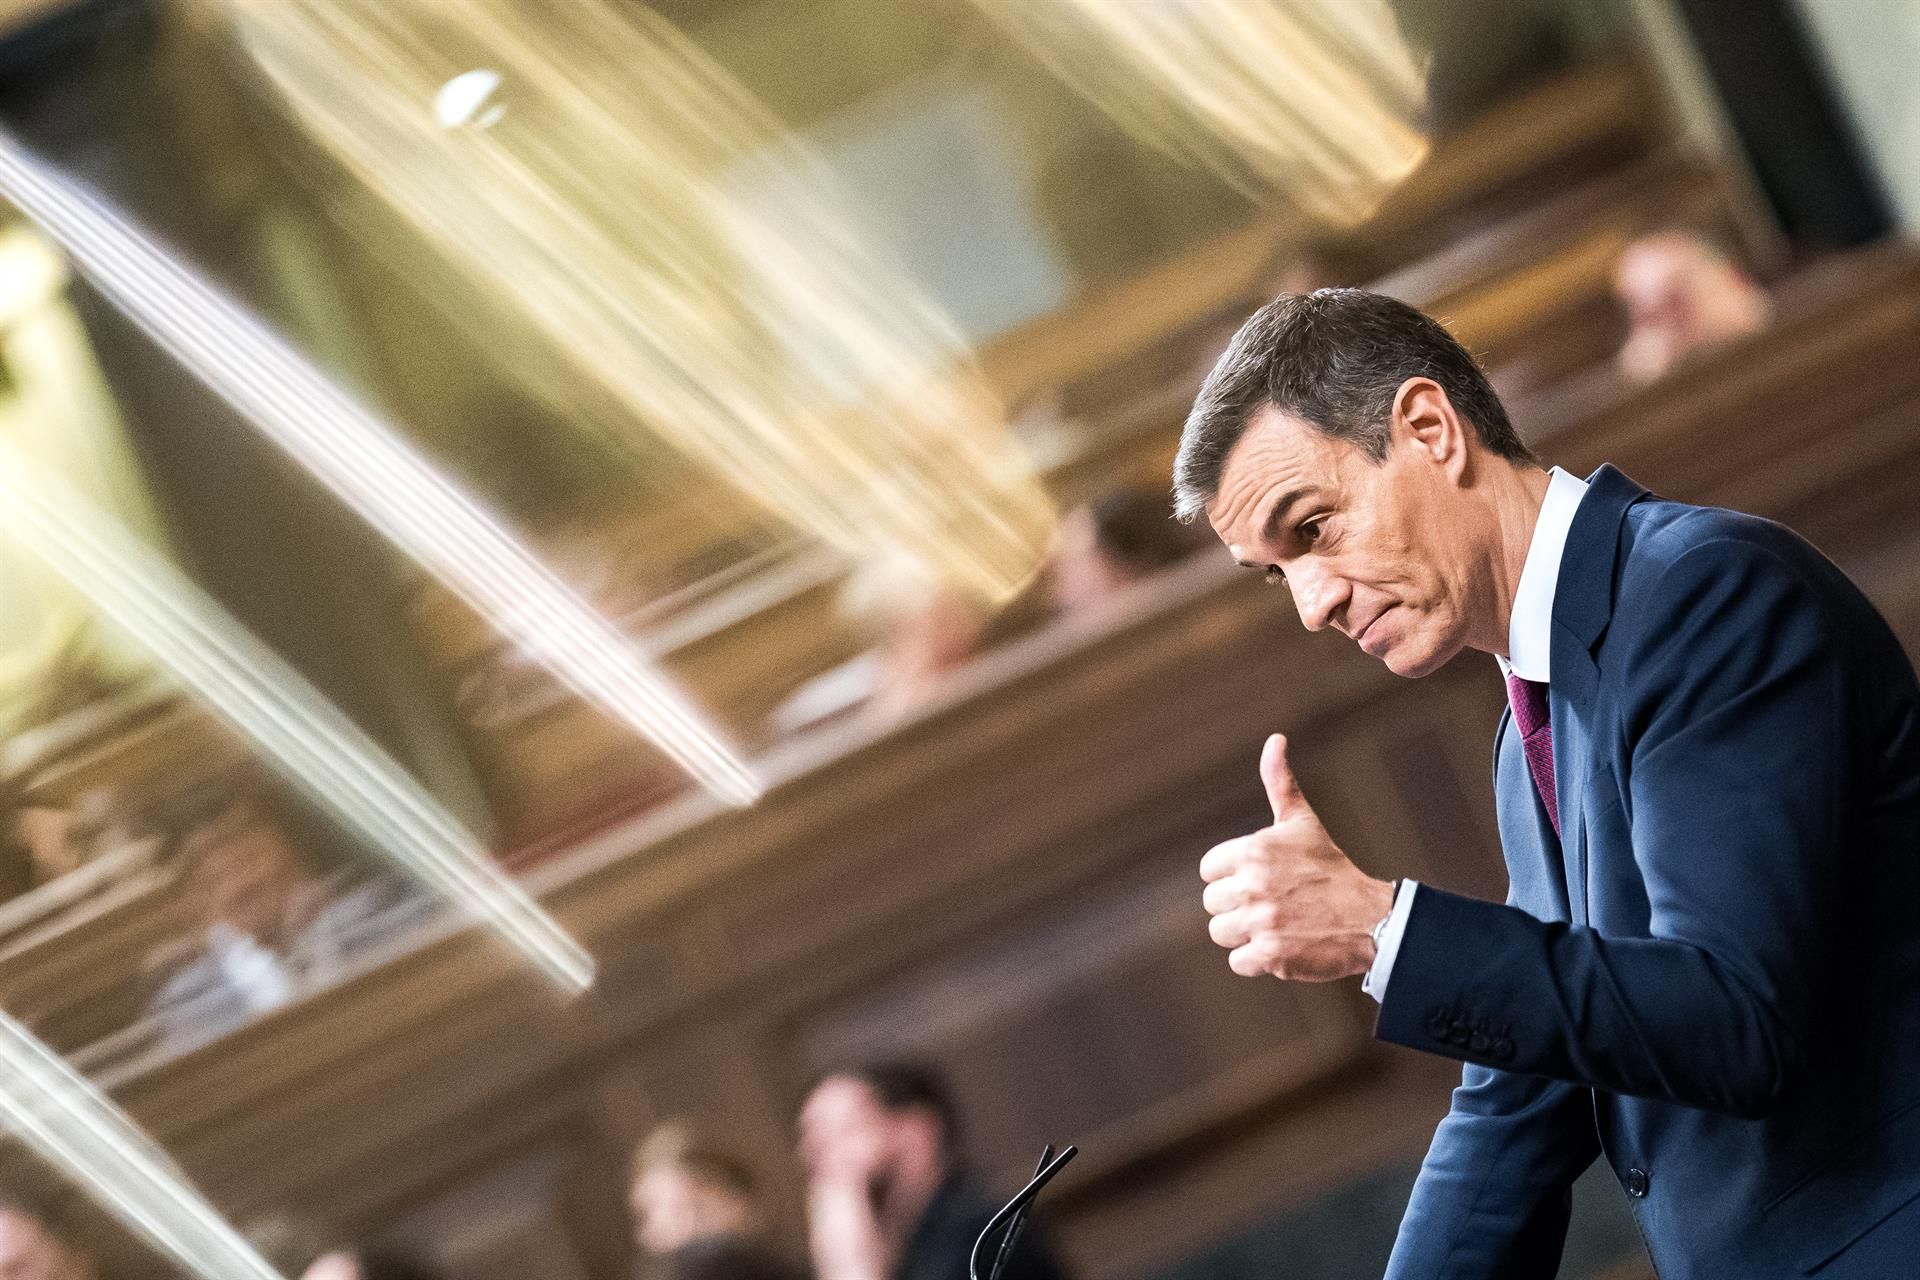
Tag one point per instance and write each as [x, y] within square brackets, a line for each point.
[1387, 936]
[1379, 932]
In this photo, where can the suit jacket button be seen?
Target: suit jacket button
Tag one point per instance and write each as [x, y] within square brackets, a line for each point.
[1503, 1049]
[1637, 1183]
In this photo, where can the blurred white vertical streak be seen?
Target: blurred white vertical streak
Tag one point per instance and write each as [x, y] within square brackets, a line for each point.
[305, 736]
[71, 1125]
[372, 469]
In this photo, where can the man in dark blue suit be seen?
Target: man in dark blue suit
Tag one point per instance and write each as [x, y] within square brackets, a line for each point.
[1707, 970]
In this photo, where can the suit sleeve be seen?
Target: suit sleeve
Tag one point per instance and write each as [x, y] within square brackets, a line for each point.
[1495, 1191]
[1734, 706]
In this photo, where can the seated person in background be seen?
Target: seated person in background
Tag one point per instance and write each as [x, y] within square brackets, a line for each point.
[38, 1242]
[274, 928]
[696, 1211]
[607, 568]
[296, 1247]
[934, 631]
[926, 631]
[1112, 542]
[1681, 296]
[888, 1196]
[371, 1263]
[61, 841]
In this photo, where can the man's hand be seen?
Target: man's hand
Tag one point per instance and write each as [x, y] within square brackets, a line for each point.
[844, 1236]
[1285, 900]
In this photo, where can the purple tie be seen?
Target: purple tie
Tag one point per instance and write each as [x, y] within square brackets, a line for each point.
[1529, 701]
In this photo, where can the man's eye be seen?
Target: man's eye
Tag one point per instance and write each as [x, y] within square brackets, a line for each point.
[1310, 531]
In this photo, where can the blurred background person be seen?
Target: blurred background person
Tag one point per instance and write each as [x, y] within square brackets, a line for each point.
[273, 925]
[696, 1211]
[289, 1243]
[372, 1262]
[1681, 296]
[38, 1241]
[889, 1196]
[1117, 539]
[302, 1249]
[931, 631]
[61, 840]
[924, 631]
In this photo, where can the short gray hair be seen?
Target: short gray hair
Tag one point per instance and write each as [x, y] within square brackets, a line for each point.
[1334, 359]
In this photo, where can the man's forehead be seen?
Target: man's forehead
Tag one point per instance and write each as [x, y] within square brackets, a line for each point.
[1276, 451]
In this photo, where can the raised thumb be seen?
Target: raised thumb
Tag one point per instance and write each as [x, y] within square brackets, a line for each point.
[1283, 789]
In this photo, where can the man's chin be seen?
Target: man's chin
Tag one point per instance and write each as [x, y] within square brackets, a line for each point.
[1411, 662]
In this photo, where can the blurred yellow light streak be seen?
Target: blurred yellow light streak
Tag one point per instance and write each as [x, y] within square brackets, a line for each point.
[78, 1130]
[1314, 98]
[305, 736]
[653, 254]
[369, 467]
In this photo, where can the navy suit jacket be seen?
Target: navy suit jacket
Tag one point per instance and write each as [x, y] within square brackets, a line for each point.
[1712, 978]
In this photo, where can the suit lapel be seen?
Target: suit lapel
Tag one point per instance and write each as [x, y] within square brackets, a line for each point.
[1570, 705]
[1582, 610]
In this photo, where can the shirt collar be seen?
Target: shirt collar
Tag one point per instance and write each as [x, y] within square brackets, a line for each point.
[1530, 630]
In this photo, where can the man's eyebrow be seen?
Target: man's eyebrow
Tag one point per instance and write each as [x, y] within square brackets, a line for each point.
[1270, 531]
[1276, 518]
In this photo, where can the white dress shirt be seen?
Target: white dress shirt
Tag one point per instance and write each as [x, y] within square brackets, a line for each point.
[257, 974]
[1529, 654]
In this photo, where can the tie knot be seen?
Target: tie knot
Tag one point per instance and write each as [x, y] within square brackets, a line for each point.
[1529, 701]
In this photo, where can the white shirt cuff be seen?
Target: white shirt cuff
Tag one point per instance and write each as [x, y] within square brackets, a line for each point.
[1375, 981]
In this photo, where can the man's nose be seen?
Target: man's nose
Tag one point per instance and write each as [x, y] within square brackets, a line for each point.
[1317, 595]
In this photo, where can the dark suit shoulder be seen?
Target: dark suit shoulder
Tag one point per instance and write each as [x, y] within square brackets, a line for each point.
[1660, 532]
[1674, 556]
[1694, 585]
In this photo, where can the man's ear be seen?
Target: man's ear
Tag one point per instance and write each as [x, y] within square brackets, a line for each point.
[1425, 421]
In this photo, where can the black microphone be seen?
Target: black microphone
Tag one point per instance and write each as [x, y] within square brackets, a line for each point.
[1013, 1216]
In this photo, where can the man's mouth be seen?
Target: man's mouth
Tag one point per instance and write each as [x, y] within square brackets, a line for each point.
[1369, 629]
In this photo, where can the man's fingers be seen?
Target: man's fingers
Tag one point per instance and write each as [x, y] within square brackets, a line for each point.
[1252, 960]
[1222, 896]
[1230, 929]
[1283, 790]
[1222, 860]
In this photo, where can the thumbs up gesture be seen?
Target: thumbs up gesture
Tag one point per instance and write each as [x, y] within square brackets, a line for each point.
[1285, 900]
